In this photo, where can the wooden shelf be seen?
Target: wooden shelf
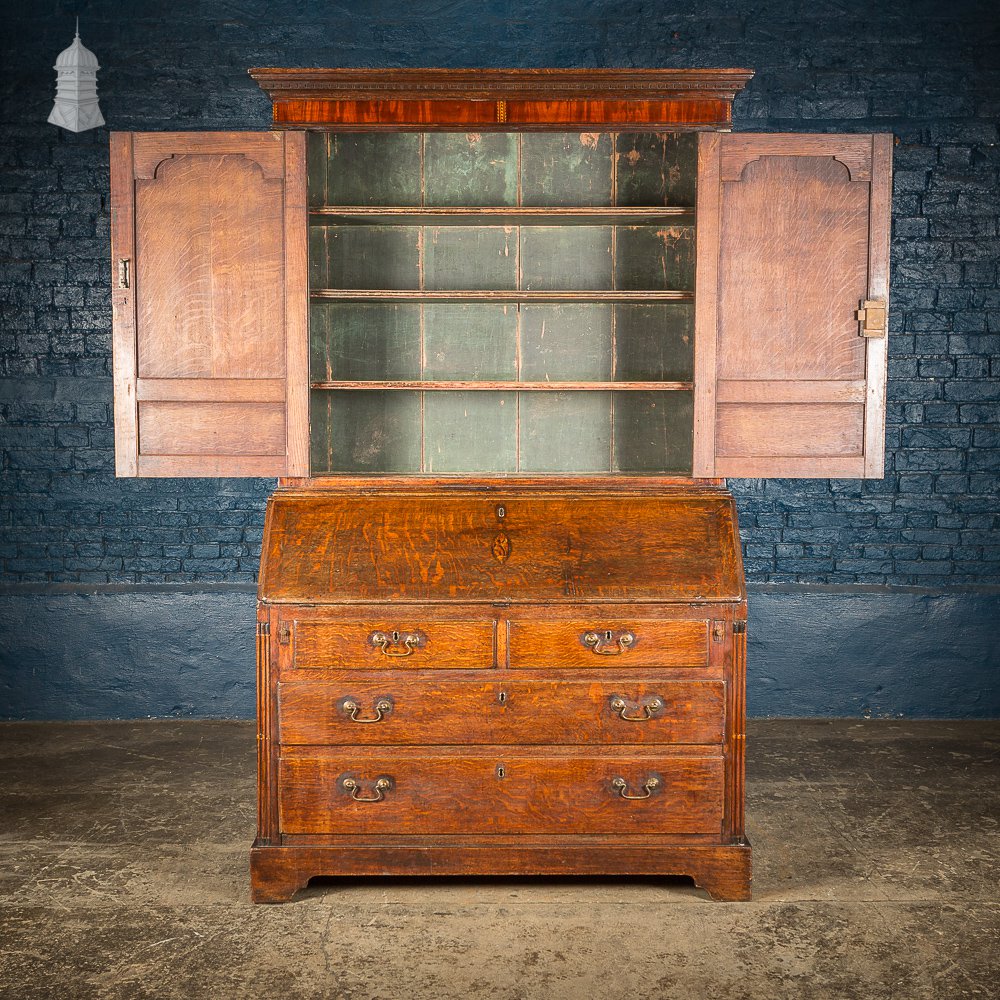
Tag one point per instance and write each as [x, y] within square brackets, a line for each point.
[490, 295]
[494, 386]
[330, 215]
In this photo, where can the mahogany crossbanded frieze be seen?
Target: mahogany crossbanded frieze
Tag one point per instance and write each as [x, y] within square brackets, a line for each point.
[500, 99]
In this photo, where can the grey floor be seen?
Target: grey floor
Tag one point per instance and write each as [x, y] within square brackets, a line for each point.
[123, 873]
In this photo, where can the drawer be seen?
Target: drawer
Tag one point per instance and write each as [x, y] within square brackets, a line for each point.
[407, 710]
[415, 792]
[605, 642]
[401, 640]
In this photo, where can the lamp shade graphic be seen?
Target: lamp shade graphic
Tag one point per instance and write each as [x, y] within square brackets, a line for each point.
[76, 107]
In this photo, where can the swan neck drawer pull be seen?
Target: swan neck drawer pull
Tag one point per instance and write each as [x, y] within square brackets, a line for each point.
[650, 707]
[601, 642]
[650, 785]
[351, 708]
[388, 642]
[353, 787]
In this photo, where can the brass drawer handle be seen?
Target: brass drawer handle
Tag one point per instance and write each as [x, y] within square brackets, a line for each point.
[649, 786]
[381, 641]
[596, 641]
[351, 785]
[351, 708]
[651, 707]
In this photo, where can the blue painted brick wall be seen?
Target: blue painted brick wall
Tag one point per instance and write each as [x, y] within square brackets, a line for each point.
[928, 72]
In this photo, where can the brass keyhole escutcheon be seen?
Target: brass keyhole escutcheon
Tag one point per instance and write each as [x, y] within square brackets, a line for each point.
[608, 642]
[396, 643]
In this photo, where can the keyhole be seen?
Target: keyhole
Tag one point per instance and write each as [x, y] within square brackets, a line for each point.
[607, 636]
[395, 636]
[502, 697]
[501, 771]
[501, 512]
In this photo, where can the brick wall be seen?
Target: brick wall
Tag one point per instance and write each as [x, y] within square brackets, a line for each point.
[928, 72]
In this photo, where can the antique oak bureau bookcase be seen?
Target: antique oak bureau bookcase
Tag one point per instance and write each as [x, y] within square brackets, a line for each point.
[500, 335]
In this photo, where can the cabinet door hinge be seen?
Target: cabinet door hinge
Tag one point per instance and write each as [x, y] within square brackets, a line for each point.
[872, 317]
[739, 628]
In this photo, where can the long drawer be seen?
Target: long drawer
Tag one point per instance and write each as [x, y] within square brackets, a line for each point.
[503, 792]
[417, 710]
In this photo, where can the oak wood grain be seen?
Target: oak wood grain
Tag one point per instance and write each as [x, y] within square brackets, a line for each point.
[124, 359]
[532, 792]
[154, 149]
[327, 546]
[209, 239]
[777, 391]
[722, 870]
[219, 390]
[211, 429]
[800, 430]
[708, 193]
[655, 643]
[877, 348]
[793, 238]
[426, 711]
[343, 643]
[793, 267]
[296, 304]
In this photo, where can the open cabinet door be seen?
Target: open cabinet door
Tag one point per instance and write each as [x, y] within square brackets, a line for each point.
[210, 295]
[790, 305]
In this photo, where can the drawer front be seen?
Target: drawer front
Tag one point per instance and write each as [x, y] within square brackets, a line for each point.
[418, 793]
[410, 711]
[619, 643]
[402, 641]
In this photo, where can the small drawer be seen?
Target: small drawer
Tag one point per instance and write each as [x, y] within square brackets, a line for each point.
[402, 641]
[415, 792]
[410, 711]
[618, 643]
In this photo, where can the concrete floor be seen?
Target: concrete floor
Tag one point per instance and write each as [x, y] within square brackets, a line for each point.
[123, 873]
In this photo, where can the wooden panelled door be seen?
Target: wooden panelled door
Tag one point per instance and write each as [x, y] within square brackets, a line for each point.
[210, 304]
[791, 299]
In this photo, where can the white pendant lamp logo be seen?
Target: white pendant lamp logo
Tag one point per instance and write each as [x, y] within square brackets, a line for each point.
[76, 107]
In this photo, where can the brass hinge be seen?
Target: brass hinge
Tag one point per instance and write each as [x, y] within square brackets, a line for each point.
[872, 317]
[284, 634]
[739, 627]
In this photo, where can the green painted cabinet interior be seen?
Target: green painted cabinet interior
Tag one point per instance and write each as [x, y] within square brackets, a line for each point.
[445, 265]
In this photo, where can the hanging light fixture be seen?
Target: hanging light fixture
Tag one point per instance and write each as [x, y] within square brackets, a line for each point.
[76, 107]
